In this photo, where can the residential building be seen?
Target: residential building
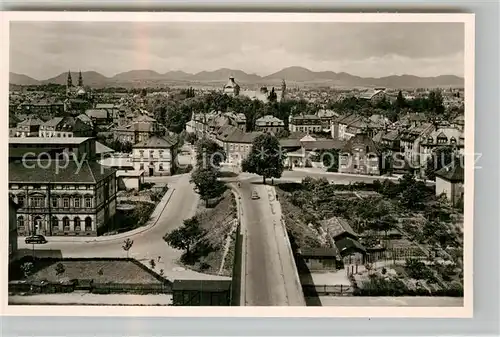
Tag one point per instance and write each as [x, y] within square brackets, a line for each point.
[237, 145]
[269, 123]
[327, 117]
[99, 117]
[29, 127]
[344, 239]
[305, 123]
[410, 141]
[71, 196]
[320, 259]
[340, 124]
[156, 155]
[12, 230]
[360, 155]
[65, 127]
[140, 130]
[442, 137]
[450, 182]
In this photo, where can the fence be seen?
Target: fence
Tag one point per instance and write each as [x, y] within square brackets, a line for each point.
[331, 290]
[396, 254]
[116, 288]
[236, 277]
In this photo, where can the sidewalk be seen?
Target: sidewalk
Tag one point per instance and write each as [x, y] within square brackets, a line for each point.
[91, 299]
[151, 223]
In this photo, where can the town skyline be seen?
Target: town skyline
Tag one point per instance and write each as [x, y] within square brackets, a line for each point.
[361, 49]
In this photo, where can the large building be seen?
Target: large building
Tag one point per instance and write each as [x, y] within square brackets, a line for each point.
[65, 127]
[156, 156]
[59, 187]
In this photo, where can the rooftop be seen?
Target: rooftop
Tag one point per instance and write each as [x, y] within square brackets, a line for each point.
[46, 171]
[48, 140]
[157, 142]
[454, 172]
[336, 226]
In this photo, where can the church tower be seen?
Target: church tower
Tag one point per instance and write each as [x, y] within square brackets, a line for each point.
[80, 80]
[69, 81]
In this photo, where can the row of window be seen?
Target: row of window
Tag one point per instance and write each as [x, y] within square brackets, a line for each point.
[151, 153]
[39, 202]
[160, 166]
[77, 222]
[308, 128]
[55, 187]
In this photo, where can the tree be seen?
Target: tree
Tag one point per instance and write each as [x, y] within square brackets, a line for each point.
[184, 237]
[191, 137]
[265, 158]
[440, 157]
[206, 183]
[60, 269]
[27, 268]
[209, 154]
[127, 244]
[282, 133]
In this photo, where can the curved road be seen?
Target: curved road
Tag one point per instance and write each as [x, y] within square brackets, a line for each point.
[148, 244]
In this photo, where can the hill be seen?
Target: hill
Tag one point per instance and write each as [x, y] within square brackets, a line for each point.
[20, 79]
[298, 75]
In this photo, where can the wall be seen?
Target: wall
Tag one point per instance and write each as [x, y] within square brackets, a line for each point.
[12, 232]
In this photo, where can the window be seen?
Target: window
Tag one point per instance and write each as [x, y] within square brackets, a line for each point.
[66, 223]
[453, 140]
[141, 153]
[55, 201]
[141, 166]
[76, 222]
[66, 202]
[88, 224]
[151, 153]
[77, 202]
[55, 223]
[88, 202]
[20, 222]
[20, 200]
[161, 167]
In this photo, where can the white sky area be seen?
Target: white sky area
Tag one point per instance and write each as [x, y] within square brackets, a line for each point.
[46, 49]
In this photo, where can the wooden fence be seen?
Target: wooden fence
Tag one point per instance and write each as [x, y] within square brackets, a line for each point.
[331, 290]
[396, 254]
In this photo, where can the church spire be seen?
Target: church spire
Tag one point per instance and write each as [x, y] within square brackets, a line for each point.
[69, 81]
[80, 79]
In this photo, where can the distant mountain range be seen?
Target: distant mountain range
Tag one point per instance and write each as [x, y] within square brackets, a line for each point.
[298, 75]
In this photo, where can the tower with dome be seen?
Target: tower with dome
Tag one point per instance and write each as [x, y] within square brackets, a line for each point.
[77, 97]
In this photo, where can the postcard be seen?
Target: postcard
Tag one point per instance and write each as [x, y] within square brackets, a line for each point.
[238, 164]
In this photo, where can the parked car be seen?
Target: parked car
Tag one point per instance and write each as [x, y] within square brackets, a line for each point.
[255, 195]
[36, 239]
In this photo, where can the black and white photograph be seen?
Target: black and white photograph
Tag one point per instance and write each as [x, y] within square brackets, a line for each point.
[216, 160]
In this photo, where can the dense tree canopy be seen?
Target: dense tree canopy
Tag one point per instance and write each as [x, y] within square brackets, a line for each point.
[265, 158]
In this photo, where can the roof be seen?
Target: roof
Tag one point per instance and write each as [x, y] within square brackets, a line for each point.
[318, 252]
[454, 172]
[54, 121]
[370, 94]
[444, 133]
[336, 226]
[360, 139]
[101, 148]
[202, 285]
[243, 137]
[349, 243]
[48, 140]
[300, 118]
[88, 172]
[31, 121]
[287, 142]
[33, 152]
[327, 113]
[262, 121]
[144, 118]
[117, 162]
[323, 144]
[129, 173]
[231, 83]
[97, 113]
[157, 142]
[105, 106]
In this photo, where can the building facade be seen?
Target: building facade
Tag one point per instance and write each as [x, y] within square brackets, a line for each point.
[360, 155]
[156, 156]
[269, 123]
[12, 230]
[305, 123]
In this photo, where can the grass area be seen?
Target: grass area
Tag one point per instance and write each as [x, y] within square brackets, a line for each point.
[297, 221]
[101, 271]
[216, 223]
[128, 220]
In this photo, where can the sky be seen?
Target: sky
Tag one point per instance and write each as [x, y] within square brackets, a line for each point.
[46, 49]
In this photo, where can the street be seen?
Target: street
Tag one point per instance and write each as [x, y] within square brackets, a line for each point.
[267, 273]
[148, 244]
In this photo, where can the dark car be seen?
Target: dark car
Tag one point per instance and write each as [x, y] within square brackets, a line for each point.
[36, 239]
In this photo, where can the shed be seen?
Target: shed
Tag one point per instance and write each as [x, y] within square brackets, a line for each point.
[318, 259]
[201, 292]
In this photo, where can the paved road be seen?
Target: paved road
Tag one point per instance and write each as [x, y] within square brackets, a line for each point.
[265, 279]
[148, 244]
